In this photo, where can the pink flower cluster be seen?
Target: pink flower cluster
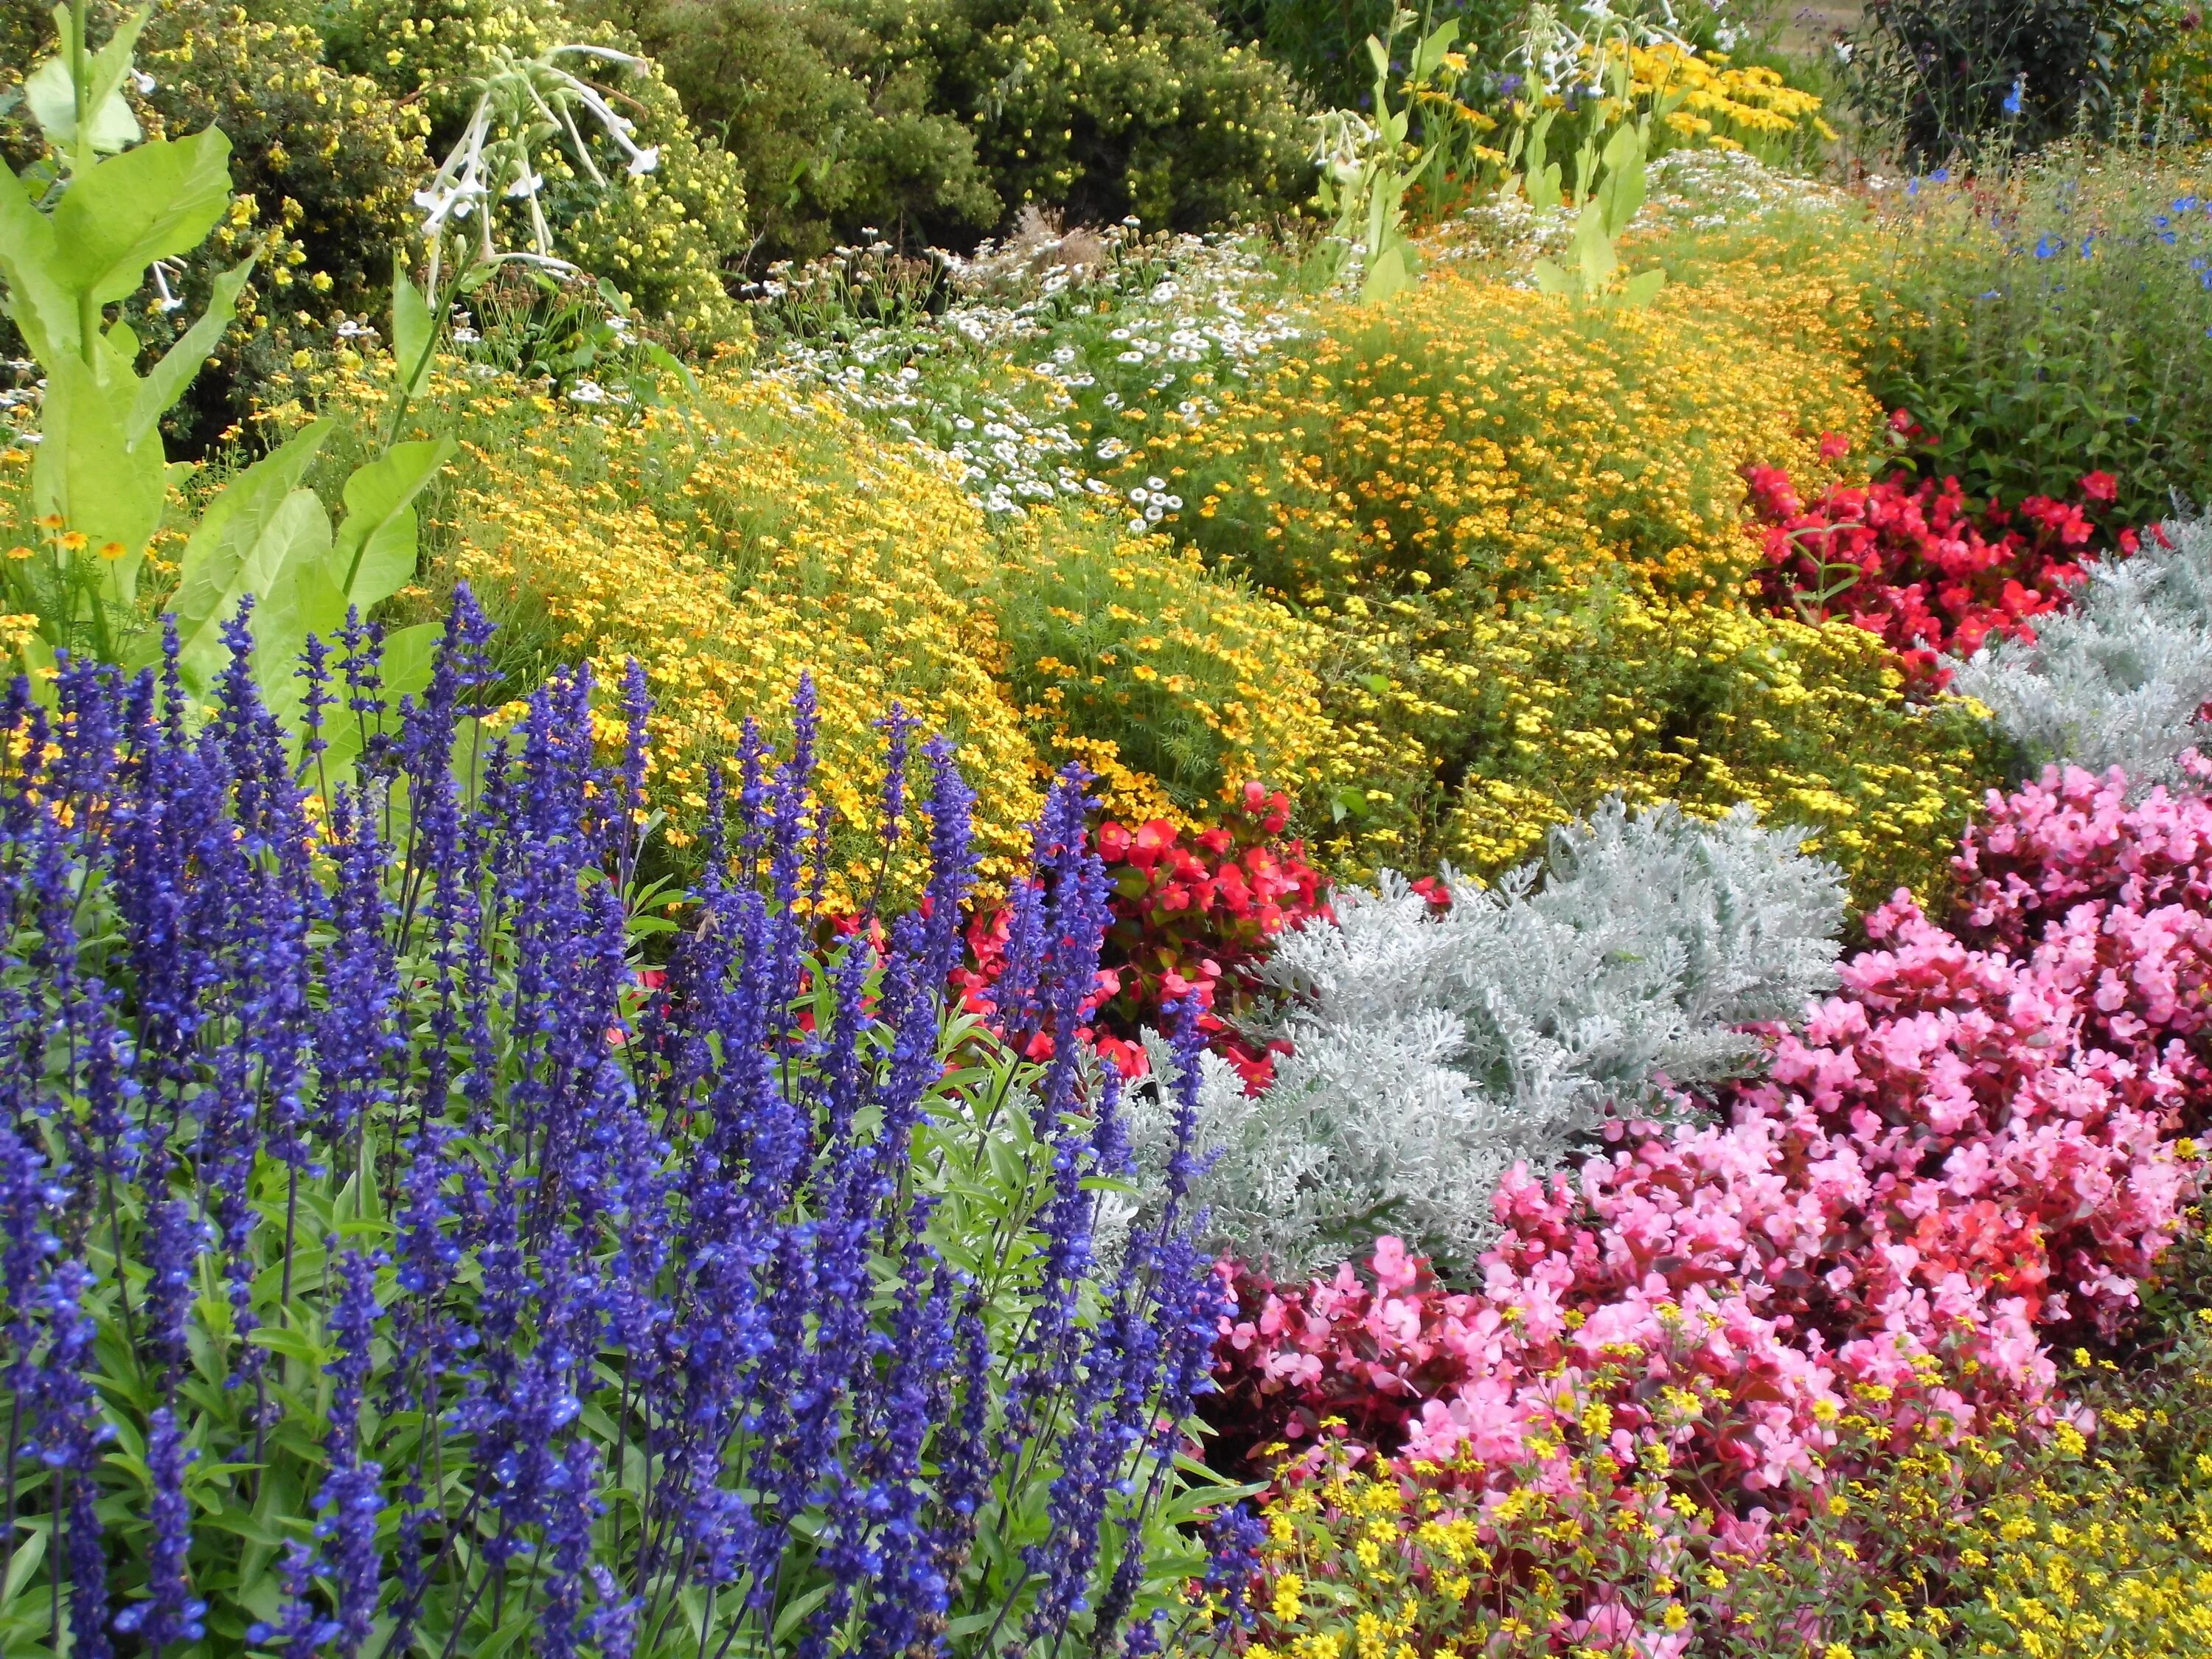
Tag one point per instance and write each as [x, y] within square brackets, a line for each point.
[1967, 1154]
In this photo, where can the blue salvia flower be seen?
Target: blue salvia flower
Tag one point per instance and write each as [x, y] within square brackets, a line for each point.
[686, 1255]
[170, 1612]
[74, 1438]
[173, 1256]
[352, 1494]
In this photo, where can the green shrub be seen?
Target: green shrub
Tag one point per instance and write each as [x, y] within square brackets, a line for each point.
[1105, 108]
[2053, 324]
[940, 119]
[1941, 78]
[828, 151]
[664, 238]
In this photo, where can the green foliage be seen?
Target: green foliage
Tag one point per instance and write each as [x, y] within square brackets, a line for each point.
[1322, 43]
[99, 476]
[936, 120]
[1106, 109]
[1367, 170]
[1593, 265]
[2054, 322]
[664, 236]
[1941, 78]
[833, 141]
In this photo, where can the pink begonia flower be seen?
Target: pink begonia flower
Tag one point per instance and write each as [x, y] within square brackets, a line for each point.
[1971, 1154]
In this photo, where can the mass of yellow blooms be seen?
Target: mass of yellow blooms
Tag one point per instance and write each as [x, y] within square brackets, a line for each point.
[1721, 106]
[1540, 714]
[1477, 433]
[734, 541]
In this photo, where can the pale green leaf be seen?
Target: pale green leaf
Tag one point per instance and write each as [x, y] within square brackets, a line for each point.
[41, 308]
[152, 202]
[375, 546]
[233, 522]
[413, 332]
[88, 473]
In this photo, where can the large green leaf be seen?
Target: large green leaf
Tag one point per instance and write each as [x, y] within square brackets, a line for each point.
[182, 362]
[299, 595]
[233, 522]
[52, 98]
[292, 531]
[147, 204]
[88, 473]
[1430, 52]
[375, 547]
[36, 302]
[52, 94]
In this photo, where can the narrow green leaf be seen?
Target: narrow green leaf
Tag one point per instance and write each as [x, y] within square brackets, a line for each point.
[181, 363]
[413, 329]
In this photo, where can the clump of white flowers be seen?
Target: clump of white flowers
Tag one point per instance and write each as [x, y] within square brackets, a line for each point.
[1431, 1049]
[2118, 679]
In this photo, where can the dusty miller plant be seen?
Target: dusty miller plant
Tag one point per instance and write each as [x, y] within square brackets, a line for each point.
[1433, 1049]
[2118, 679]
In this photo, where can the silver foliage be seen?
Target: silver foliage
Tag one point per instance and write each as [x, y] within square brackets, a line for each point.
[1432, 1051]
[2118, 680]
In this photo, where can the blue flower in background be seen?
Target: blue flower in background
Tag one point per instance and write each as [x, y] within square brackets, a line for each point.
[1993, 293]
[2048, 246]
[2013, 99]
[1941, 175]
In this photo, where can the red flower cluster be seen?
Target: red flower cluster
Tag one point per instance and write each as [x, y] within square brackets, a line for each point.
[1966, 1155]
[1193, 915]
[1913, 561]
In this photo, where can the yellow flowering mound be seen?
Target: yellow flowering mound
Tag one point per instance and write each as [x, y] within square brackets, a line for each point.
[1466, 734]
[1177, 680]
[731, 547]
[1486, 436]
[2104, 1547]
[1722, 106]
[739, 538]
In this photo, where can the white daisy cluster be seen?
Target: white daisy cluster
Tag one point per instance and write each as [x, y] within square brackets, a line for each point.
[1714, 189]
[1000, 384]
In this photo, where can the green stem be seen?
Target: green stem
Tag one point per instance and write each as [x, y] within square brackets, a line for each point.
[88, 308]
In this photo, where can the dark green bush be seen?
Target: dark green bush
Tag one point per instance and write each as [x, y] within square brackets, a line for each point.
[829, 150]
[1323, 43]
[1104, 109]
[1941, 78]
[935, 121]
